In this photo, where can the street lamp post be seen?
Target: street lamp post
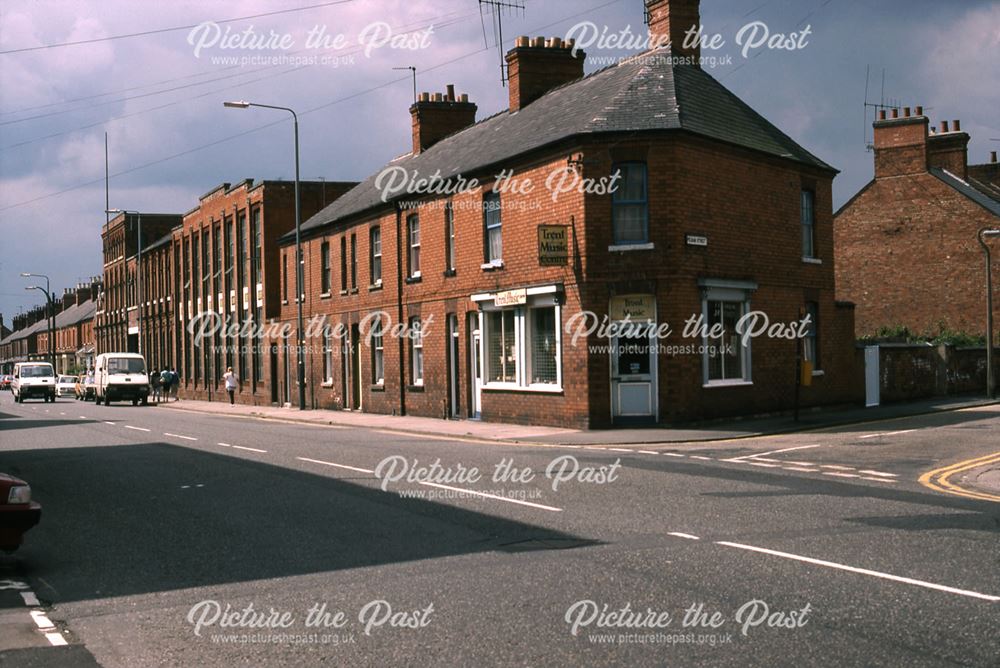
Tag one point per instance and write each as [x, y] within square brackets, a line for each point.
[138, 265]
[984, 234]
[52, 313]
[299, 283]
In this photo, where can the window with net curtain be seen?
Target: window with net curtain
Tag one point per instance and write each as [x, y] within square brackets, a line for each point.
[493, 238]
[629, 204]
[378, 353]
[725, 354]
[542, 344]
[501, 347]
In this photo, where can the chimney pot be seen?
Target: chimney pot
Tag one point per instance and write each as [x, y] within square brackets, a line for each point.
[522, 41]
[993, 156]
[557, 43]
[538, 42]
[881, 114]
[438, 97]
[944, 126]
[906, 112]
[425, 97]
[451, 92]
[464, 97]
[534, 71]
[895, 112]
[920, 111]
[957, 124]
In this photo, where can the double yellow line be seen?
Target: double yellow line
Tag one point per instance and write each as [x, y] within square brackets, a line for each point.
[938, 479]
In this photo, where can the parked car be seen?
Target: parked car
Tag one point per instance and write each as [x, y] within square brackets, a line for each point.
[5, 381]
[85, 387]
[33, 379]
[121, 376]
[66, 386]
[18, 512]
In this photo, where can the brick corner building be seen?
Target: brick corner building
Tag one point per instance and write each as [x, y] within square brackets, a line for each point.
[907, 252]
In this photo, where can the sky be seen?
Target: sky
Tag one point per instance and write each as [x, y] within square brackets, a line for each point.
[154, 75]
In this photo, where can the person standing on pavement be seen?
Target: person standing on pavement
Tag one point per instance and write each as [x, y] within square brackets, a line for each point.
[231, 384]
[166, 380]
[155, 383]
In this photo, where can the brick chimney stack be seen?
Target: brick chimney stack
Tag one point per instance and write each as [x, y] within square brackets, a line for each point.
[670, 21]
[949, 149]
[900, 144]
[68, 299]
[436, 116]
[536, 66]
[82, 293]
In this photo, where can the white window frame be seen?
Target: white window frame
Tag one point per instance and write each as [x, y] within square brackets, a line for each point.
[543, 298]
[726, 291]
[328, 358]
[413, 248]
[416, 343]
[810, 253]
[378, 352]
[375, 250]
[449, 237]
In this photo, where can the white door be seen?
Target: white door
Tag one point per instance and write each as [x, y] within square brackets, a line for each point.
[872, 386]
[633, 378]
[476, 374]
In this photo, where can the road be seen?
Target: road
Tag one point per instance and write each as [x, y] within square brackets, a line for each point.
[346, 547]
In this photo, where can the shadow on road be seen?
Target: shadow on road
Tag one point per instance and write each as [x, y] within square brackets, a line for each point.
[131, 519]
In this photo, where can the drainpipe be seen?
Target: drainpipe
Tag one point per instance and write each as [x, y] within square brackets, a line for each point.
[399, 307]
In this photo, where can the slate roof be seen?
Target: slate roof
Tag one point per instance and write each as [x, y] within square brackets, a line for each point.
[642, 94]
[988, 203]
[76, 313]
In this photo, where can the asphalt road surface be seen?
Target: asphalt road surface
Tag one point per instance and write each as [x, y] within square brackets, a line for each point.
[176, 538]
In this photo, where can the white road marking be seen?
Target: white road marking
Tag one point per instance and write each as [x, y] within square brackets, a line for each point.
[186, 438]
[774, 452]
[30, 599]
[707, 459]
[61, 413]
[109, 422]
[493, 496]
[888, 433]
[13, 584]
[42, 620]
[841, 475]
[862, 571]
[339, 466]
[672, 454]
[128, 426]
[55, 639]
[83, 417]
[770, 466]
[621, 449]
[683, 535]
[185, 486]
[648, 452]
[225, 445]
[891, 482]
[798, 463]
[243, 447]
[836, 466]
[593, 447]
[800, 468]
[891, 475]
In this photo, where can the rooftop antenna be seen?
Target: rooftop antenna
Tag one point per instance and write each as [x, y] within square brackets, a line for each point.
[413, 71]
[499, 8]
[881, 105]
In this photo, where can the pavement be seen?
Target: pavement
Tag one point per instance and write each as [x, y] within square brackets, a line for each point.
[820, 548]
[721, 430]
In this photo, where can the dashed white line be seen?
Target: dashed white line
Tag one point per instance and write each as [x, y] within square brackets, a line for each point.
[648, 452]
[225, 445]
[109, 422]
[593, 447]
[841, 475]
[891, 482]
[83, 417]
[42, 620]
[707, 459]
[672, 454]
[186, 438]
[774, 452]
[493, 496]
[770, 466]
[339, 466]
[888, 433]
[879, 473]
[862, 571]
[128, 426]
[55, 639]
[683, 535]
[837, 467]
[243, 447]
[30, 599]
[61, 413]
[803, 469]
[621, 449]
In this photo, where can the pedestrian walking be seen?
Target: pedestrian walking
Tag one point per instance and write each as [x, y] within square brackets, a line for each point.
[155, 384]
[231, 384]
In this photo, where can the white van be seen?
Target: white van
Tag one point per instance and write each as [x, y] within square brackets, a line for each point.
[33, 379]
[121, 376]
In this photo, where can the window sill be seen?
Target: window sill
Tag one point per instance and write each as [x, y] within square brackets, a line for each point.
[324, 295]
[415, 388]
[374, 287]
[410, 280]
[354, 291]
[512, 387]
[492, 265]
[377, 387]
[818, 372]
[284, 302]
[712, 384]
[812, 260]
[343, 293]
[327, 384]
[450, 273]
[622, 248]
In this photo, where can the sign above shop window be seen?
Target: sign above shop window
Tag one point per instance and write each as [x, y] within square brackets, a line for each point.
[553, 245]
[638, 308]
[511, 297]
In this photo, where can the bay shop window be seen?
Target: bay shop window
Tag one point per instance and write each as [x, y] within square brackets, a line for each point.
[521, 341]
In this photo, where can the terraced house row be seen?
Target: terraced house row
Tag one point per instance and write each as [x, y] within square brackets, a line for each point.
[645, 192]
